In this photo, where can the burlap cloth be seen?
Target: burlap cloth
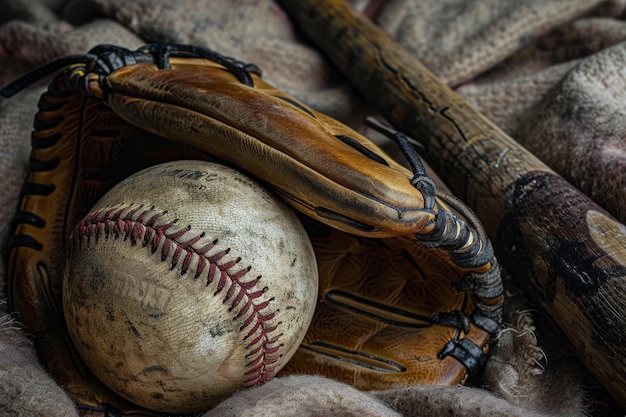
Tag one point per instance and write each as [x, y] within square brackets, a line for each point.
[549, 69]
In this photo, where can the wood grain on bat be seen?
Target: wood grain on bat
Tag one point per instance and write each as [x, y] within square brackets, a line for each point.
[553, 239]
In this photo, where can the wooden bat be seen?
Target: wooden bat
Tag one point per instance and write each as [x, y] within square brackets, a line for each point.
[556, 242]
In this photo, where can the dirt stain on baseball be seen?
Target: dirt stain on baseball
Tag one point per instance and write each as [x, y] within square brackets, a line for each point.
[132, 328]
[110, 311]
[155, 369]
[189, 174]
[220, 329]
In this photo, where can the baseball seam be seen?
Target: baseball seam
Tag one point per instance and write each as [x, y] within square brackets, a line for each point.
[139, 225]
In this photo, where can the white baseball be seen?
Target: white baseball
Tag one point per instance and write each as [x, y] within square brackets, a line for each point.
[186, 282]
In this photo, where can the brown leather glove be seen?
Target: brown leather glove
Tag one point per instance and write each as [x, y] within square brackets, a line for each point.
[410, 291]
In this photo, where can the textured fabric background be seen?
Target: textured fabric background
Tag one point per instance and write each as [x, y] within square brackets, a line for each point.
[549, 69]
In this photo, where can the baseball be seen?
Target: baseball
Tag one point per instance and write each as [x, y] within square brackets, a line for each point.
[186, 282]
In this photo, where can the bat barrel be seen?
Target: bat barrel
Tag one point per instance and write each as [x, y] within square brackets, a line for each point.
[555, 241]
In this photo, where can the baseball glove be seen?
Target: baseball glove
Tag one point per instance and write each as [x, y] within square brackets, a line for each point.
[410, 291]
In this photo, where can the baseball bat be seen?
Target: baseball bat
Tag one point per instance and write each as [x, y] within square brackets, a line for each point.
[563, 248]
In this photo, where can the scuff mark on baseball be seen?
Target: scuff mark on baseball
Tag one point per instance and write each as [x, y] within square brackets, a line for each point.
[186, 282]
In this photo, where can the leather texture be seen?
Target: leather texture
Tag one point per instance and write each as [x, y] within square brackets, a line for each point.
[376, 323]
[410, 290]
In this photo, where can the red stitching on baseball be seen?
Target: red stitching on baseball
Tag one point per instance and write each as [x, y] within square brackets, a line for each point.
[140, 225]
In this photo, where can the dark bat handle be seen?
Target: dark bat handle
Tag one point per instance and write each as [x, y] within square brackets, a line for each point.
[566, 250]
